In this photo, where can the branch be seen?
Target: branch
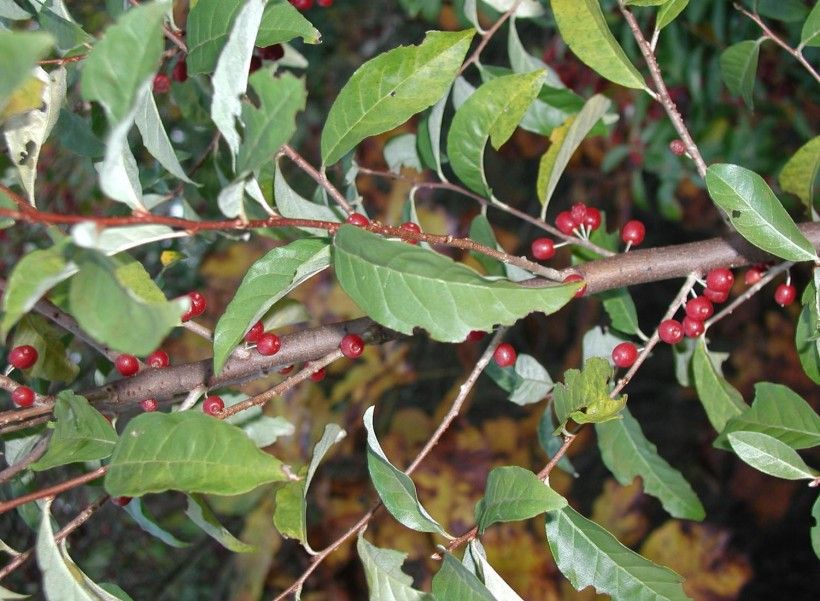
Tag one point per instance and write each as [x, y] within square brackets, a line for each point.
[36, 452]
[53, 491]
[662, 92]
[317, 176]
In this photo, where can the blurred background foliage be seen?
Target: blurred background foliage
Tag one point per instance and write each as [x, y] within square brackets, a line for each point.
[754, 543]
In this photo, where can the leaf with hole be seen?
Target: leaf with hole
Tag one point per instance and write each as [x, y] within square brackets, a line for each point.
[403, 287]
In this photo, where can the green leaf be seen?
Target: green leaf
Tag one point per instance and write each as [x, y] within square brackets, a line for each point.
[453, 582]
[395, 488]
[738, 66]
[273, 123]
[19, 53]
[54, 363]
[124, 61]
[389, 89]
[491, 114]
[620, 307]
[268, 280]
[584, 395]
[584, 29]
[80, 434]
[290, 516]
[190, 452]
[527, 381]
[282, 22]
[385, 578]
[719, 398]
[155, 139]
[815, 530]
[513, 494]
[669, 12]
[146, 521]
[75, 135]
[588, 555]
[402, 287]
[779, 412]
[770, 456]
[782, 10]
[526, 9]
[756, 213]
[499, 589]
[645, 2]
[482, 232]
[204, 517]
[564, 142]
[291, 204]
[434, 124]
[810, 34]
[627, 453]
[401, 151]
[807, 332]
[107, 294]
[800, 171]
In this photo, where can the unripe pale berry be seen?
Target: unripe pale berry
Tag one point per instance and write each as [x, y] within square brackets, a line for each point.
[543, 249]
[127, 365]
[785, 294]
[592, 220]
[351, 346]
[624, 355]
[633, 232]
[213, 405]
[504, 354]
[576, 277]
[565, 223]
[318, 375]
[162, 83]
[22, 396]
[677, 147]
[692, 328]
[670, 331]
[358, 220]
[716, 296]
[720, 279]
[149, 405]
[255, 333]
[158, 359]
[23, 356]
[268, 344]
[700, 308]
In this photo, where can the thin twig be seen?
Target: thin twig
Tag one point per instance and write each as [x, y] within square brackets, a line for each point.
[795, 52]
[53, 491]
[198, 329]
[33, 455]
[317, 176]
[486, 36]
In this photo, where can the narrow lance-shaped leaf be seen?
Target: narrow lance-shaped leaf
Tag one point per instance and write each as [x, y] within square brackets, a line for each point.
[627, 453]
[513, 494]
[756, 213]
[588, 555]
[395, 488]
[584, 29]
[807, 332]
[385, 578]
[268, 280]
[403, 287]
[738, 66]
[720, 400]
[155, 139]
[146, 521]
[389, 89]
[810, 33]
[669, 12]
[565, 141]
[204, 517]
[491, 114]
[190, 452]
[770, 456]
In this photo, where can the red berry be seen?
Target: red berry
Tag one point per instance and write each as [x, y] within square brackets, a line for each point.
[576, 277]
[475, 336]
[677, 147]
[351, 346]
[198, 305]
[286, 370]
[720, 279]
[700, 308]
[180, 71]
[121, 501]
[358, 220]
[22, 396]
[409, 226]
[578, 212]
[505, 354]
[785, 294]
[670, 331]
[543, 249]
[162, 83]
[565, 223]
[158, 359]
[318, 375]
[127, 365]
[255, 333]
[754, 275]
[149, 405]
[715, 296]
[324, 3]
[255, 65]
[272, 53]
[633, 232]
[592, 220]
[692, 328]
[23, 357]
[268, 344]
[624, 355]
[302, 4]
[213, 405]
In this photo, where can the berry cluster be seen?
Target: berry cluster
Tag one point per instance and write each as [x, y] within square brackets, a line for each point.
[580, 220]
